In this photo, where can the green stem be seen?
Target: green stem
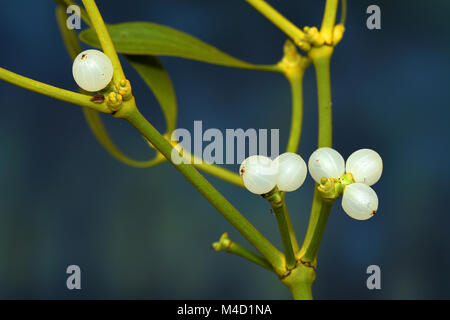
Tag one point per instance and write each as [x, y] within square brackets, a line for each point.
[220, 173]
[317, 222]
[328, 21]
[320, 209]
[290, 228]
[105, 40]
[343, 12]
[272, 255]
[321, 58]
[296, 83]
[285, 235]
[51, 91]
[300, 281]
[277, 19]
[288, 238]
[232, 247]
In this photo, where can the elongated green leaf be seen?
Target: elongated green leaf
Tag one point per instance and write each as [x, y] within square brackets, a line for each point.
[146, 38]
[157, 78]
[96, 124]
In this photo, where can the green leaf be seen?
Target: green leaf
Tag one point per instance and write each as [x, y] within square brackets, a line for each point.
[96, 124]
[146, 38]
[157, 78]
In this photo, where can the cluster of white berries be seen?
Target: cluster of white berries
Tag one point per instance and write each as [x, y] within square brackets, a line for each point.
[92, 70]
[288, 171]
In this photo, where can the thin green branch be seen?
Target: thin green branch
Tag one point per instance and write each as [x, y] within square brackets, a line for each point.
[296, 84]
[288, 238]
[51, 91]
[294, 65]
[105, 40]
[328, 22]
[317, 222]
[220, 173]
[268, 251]
[321, 58]
[225, 244]
[343, 12]
[277, 19]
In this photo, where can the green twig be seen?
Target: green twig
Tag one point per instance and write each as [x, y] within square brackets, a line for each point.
[51, 91]
[288, 238]
[232, 247]
[296, 84]
[277, 19]
[105, 40]
[317, 222]
[343, 13]
[272, 255]
[329, 18]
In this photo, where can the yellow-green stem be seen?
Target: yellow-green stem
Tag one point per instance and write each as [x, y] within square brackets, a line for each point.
[220, 173]
[296, 83]
[321, 58]
[226, 244]
[105, 40]
[317, 223]
[300, 281]
[51, 91]
[329, 18]
[268, 251]
[277, 19]
[288, 238]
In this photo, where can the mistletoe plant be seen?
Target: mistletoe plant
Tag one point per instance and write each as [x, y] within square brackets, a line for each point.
[141, 43]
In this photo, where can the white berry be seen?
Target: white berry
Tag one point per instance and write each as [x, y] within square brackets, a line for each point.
[92, 70]
[258, 174]
[359, 201]
[365, 165]
[326, 162]
[291, 171]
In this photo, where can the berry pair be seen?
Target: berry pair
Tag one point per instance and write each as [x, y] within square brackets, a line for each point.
[260, 174]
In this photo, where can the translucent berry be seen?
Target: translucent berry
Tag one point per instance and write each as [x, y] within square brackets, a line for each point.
[291, 171]
[359, 201]
[326, 162]
[92, 70]
[258, 174]
[365, 165]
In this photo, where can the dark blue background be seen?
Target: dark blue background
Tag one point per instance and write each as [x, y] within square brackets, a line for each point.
[146, 233]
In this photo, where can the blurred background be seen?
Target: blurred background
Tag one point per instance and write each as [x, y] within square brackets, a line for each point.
[146, 233]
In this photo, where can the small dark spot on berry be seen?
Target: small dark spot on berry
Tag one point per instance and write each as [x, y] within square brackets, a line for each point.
[373, 212]
[83, 56]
